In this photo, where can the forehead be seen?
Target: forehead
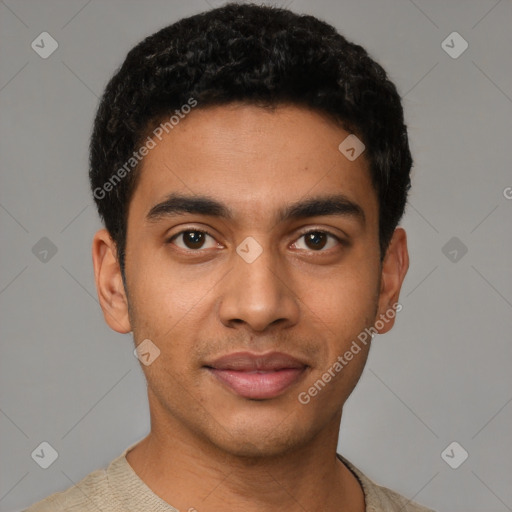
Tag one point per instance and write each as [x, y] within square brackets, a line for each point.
[254, 160]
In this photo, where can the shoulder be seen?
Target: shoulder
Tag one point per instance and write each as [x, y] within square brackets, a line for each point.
[88, 495]
[382, 499]
[391, 501]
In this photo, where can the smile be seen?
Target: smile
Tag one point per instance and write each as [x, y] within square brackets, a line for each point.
[255, 376]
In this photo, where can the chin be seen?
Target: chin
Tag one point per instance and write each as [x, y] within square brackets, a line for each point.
[264, 439]
[258, 449]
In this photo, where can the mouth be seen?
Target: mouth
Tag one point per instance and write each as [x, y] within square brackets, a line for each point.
[257, 376]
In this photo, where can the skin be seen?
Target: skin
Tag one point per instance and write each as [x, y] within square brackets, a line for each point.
[209, 448]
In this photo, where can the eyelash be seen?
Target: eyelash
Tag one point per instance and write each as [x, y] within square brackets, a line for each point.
[325, 232]
[303, 233]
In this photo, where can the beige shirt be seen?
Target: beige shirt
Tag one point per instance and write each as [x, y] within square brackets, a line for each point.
[119, 489]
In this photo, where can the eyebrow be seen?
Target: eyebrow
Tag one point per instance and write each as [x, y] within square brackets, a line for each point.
[178, 204]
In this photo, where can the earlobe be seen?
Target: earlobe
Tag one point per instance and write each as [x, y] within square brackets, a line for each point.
[394, 269]
[109, 282]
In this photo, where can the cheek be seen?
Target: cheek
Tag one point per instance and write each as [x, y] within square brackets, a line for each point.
[162, 295]
[345, 301]
[346, 308]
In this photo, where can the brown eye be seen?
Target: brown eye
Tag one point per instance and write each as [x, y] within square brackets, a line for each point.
[317, 241]
[192, 239]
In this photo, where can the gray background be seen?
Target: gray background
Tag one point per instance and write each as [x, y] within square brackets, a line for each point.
[441, 375]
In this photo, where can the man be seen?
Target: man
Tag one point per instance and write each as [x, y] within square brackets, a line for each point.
[251, 167]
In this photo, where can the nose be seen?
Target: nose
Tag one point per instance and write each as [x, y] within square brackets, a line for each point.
[258, 294]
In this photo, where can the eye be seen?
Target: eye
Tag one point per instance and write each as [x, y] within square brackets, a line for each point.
[193, 239]
[317, 240]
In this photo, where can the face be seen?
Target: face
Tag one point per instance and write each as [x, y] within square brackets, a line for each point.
[252, 265]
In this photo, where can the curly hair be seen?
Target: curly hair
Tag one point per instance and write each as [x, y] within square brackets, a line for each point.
[257, 55]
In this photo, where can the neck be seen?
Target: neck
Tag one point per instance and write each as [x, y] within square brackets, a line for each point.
[190, 475]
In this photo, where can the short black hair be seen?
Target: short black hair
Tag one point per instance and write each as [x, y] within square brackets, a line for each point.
[256, 55]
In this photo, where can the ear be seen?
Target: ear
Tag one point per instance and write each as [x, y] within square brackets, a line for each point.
[394, 268]
[109, 282]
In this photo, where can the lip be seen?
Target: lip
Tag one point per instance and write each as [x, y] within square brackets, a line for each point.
[257, 376]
